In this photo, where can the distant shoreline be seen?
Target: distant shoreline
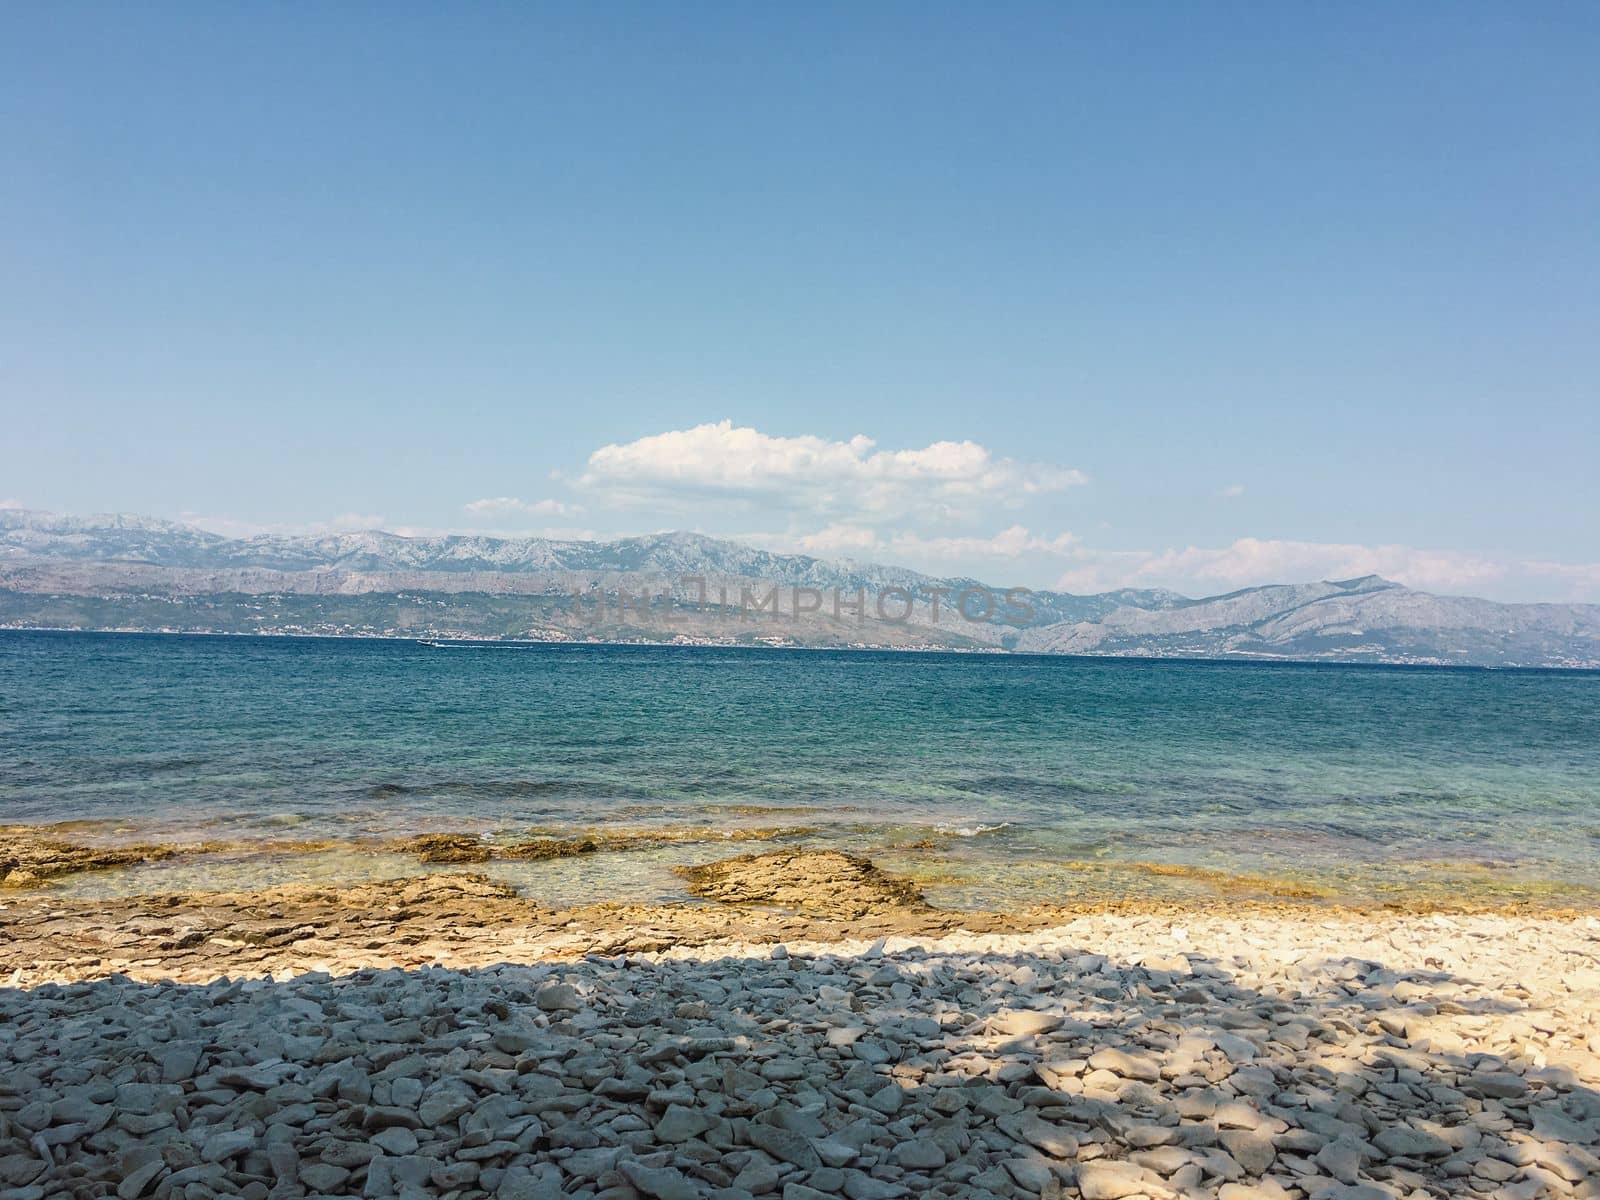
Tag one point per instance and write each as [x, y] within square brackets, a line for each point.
[1239, 660]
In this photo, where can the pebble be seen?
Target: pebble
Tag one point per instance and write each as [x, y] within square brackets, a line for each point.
[1335, 1058]
[1103, 1180]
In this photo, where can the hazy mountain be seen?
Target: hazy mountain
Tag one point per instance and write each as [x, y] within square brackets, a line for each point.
[118, 537]
[129, 539]
[128, 572]
[123, 539]
[1353, 619]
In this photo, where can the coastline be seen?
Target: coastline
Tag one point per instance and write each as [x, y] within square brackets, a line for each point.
[1240, 658]
[358, 960]
[467, 919]
[112, 863]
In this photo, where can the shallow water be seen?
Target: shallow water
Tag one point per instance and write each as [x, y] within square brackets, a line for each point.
[1028, 776]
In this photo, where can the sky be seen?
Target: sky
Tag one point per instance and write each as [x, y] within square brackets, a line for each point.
[1072, 295]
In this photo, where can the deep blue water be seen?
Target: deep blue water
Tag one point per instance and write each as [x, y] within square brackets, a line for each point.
[1355, 778]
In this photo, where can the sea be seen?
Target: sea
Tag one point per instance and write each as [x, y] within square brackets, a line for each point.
[994, 780]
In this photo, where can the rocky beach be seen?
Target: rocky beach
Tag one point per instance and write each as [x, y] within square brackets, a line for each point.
[799, 602]
[809, 1027]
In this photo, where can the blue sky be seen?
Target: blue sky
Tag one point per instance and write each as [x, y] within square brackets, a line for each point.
[1190, 295]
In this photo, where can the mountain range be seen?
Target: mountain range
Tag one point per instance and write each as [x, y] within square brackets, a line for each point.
[119, 571]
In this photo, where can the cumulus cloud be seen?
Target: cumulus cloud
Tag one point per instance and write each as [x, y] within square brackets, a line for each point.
[1232, 492]
[1094, 570]
[502, 508]
[721, 463]
[9, 502]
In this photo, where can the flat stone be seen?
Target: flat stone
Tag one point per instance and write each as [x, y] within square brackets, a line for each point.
[179, 1061]
[679, 1124]
[1125, 1065]
[1105, 1179]
[663, 1183]
[1031, 1174]
[1051, 1138]
[323, 1177]
[1251, 1149]
[1405, 1141]
[558, 997]
[1236, 1114]
[835, 1153]
[918, 1154]
[784, 1145]
[227, 1144]
[1500, 1085]
[138, 1181]
[1024, 1022]
[1341, 1158]
[396, 1139]
[888, 1099]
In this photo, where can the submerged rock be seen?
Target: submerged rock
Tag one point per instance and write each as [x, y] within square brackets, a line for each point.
[541, 848]
[29, 857]
[469, 848]
[446, 848]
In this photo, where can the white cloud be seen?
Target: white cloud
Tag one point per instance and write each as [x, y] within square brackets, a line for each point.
[1250, 562]
[1232, 492]
[361, 523]
[351, 522]
[1017, 555]
[501, 508]
[1579, 577]
[720, 463]
[556, 533]
[856, 541]
[1105, 571]
[834, 541]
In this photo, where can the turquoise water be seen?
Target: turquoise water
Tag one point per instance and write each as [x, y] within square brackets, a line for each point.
[1016, 771]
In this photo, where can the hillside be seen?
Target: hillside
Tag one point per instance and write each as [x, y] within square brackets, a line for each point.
[128, 572]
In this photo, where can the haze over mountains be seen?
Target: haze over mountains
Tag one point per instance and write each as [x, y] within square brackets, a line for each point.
[138, 573]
